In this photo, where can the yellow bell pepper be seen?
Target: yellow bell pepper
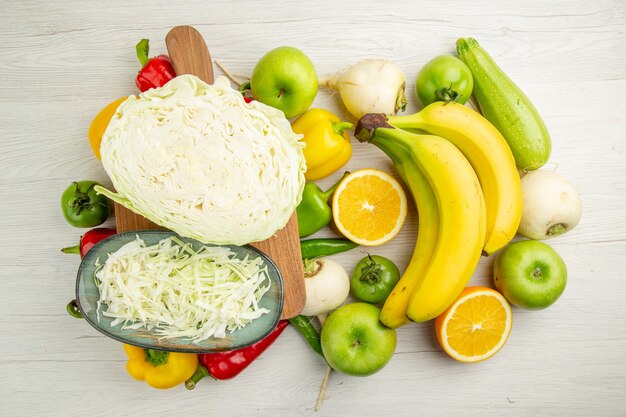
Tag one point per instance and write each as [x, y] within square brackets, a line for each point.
[327, 143]
[100, 123]
[160, 369]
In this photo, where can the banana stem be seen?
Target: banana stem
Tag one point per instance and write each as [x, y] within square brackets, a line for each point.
[366, 126]
[374, 127]
[374, 121]
[405, 122]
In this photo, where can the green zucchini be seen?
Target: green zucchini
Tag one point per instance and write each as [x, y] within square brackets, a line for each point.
[506, 107]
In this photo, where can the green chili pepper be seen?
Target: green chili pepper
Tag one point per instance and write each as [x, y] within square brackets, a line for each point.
[305, 327]
[314, 248]
[313, 211]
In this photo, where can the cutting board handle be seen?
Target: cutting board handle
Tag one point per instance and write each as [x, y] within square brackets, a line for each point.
[189, 53]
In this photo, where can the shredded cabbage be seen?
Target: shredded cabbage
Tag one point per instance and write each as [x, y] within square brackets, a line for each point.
[178, 292]
[198, 160]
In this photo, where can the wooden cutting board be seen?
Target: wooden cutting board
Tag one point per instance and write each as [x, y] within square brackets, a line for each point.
[190, 55]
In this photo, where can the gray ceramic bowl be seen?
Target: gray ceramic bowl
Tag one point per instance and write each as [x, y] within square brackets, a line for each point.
[87, 295]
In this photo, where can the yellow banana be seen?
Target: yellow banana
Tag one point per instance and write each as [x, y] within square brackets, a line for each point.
[490, 156]
[393, 313]
[462, 227]
[461, 218]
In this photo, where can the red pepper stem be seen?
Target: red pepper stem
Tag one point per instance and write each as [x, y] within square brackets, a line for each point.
[200, 373]
[72, 249]
[328, 193]
[339, 127]
[143, 51]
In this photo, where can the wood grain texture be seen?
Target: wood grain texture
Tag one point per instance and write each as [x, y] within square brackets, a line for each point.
[128, 221]
[284, 249]
[63, 61]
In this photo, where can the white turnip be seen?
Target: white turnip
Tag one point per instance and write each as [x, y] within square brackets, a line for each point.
[370, 86]
[551, 205]
[327, 286]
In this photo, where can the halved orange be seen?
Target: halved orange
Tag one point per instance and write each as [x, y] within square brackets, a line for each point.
[369, 207]
[475, 326]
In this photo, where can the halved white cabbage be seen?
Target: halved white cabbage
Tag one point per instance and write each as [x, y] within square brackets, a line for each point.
[198, 160]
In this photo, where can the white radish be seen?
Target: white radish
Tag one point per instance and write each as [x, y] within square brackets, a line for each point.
[370, 86]
[327, 286]
[551, 205]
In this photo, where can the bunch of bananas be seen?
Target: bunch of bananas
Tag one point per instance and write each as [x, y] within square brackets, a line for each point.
[466, 187]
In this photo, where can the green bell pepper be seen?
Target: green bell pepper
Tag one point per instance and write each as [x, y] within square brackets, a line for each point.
[313, 211]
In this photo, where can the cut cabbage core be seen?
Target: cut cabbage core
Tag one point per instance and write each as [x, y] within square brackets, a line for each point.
[198, 160]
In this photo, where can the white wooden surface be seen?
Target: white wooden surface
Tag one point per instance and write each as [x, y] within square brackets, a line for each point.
[62, 61]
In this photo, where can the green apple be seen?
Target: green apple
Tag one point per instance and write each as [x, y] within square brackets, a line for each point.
[355, 342]
[530, 274]
[285, 78]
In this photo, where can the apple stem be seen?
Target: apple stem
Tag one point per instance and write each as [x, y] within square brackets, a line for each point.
[537, 273]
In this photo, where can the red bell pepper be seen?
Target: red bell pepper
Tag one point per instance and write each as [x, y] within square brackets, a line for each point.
[89, 240]
[227, 365]
[155, 72]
